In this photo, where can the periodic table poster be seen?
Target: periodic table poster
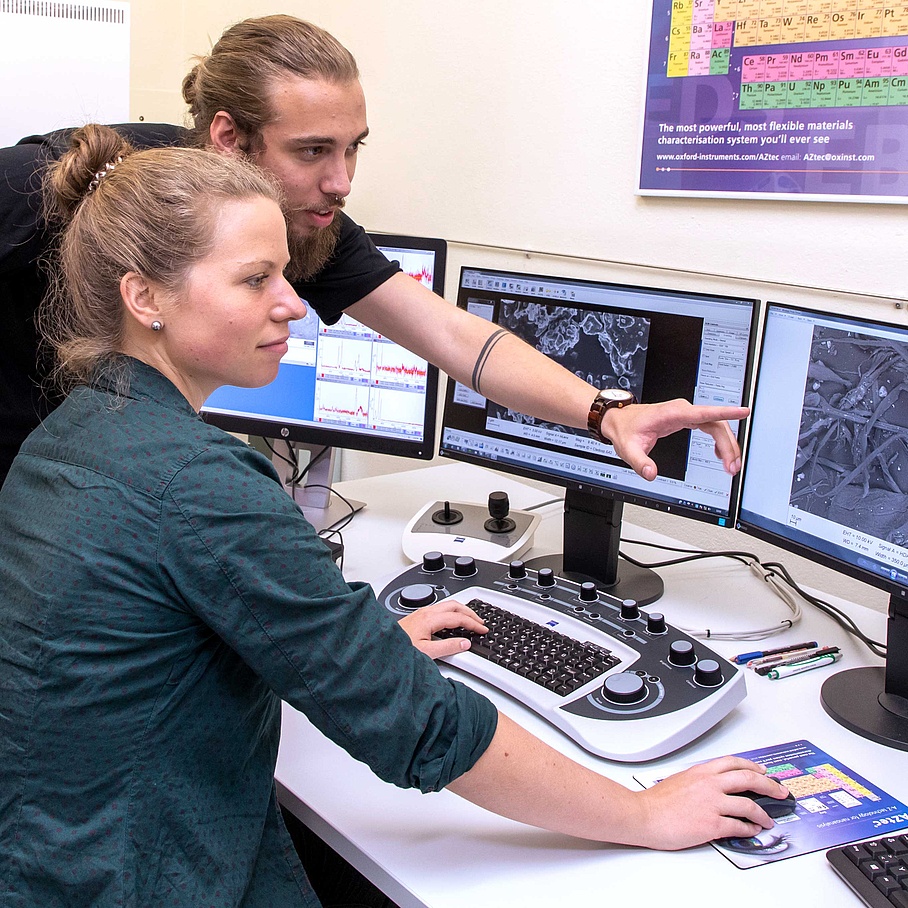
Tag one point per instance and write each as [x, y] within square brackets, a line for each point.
[793, 99]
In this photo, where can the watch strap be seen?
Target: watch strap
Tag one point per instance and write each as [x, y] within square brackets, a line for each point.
[601, 403]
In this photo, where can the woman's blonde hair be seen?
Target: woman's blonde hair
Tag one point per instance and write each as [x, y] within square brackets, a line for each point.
[153, 212]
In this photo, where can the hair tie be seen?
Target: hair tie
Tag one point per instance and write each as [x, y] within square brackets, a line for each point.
[106, 169]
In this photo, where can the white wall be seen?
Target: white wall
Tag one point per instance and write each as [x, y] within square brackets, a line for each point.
[512, 130]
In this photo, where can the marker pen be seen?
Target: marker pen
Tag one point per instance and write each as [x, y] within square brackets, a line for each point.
[796, 654]
[746, 657]
[766, 667]
[785, 671]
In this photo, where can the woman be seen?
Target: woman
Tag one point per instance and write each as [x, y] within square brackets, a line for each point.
[162, 593]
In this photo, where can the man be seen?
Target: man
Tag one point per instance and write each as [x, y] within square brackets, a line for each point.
[288, 95]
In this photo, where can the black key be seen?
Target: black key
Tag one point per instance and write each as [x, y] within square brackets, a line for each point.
[887, 885]
[899, 870]
[855, 854]
[872, 869]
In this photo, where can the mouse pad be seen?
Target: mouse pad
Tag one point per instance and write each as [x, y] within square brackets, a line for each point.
[834, 806]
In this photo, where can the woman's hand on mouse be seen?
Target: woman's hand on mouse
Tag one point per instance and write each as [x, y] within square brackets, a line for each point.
[424, 622]
[699, 804]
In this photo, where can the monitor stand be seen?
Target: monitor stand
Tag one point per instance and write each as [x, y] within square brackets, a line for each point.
[592, 534]
[873, 701]
[322, 507]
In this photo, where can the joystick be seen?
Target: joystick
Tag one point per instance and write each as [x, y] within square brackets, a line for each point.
[447, 516]
[490, 531]
[499, 506]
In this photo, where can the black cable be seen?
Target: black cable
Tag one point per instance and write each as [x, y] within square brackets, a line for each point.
[298, 474]
[343, 521]
[276, 453]
[772, 567]
[833, 611]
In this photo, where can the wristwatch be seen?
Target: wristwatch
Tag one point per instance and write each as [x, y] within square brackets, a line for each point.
[606, 399]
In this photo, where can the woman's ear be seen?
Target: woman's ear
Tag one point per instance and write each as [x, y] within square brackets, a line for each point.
[139, 297]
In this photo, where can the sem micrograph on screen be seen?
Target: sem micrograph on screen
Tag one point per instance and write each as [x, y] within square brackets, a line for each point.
[852, 461]
[606, 349]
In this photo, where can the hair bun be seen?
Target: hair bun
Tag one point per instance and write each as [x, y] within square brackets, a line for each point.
[94, 151]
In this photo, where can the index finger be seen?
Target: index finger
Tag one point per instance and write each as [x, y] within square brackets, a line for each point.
[709, 413]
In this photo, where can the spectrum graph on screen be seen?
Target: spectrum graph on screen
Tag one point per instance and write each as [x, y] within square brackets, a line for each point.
[796, 99]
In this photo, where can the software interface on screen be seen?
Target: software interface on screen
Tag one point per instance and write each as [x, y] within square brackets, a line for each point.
[343, 377]
[826, 476]
[827, 462]
[659, 344]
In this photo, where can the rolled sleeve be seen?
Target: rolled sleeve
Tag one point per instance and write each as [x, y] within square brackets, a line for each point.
[245, 560]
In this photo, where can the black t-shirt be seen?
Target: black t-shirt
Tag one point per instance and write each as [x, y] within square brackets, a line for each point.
[355, 270]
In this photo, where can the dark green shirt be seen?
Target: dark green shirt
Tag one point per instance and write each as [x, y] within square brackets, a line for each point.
[161, 594]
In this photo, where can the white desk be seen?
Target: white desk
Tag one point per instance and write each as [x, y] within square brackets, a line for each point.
[440, 851]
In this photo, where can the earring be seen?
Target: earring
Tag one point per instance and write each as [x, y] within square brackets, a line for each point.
[156, 325]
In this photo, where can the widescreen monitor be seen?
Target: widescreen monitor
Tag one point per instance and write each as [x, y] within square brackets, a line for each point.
[344, 386]
[826, 477]
[659, 343]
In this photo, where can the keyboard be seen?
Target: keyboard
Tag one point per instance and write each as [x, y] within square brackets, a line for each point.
[553, 660]
[620, 681]
[877, 870]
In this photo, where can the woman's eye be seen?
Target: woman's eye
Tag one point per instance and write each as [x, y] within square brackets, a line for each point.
[257, 281]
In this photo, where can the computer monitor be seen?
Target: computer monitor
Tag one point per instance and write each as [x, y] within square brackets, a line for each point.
[826, 477]
[660, 344]
[344, 386]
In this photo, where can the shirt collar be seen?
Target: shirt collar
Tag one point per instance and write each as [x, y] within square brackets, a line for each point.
[135, 380]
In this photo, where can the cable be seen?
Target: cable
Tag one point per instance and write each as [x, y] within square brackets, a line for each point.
[298, 474]
[543, 504]
[343, 521]
[782, 584]
[277, 453]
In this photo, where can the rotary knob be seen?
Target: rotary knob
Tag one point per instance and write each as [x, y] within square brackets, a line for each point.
[655, 623]
[432, 562]
[624, 688]
[588, 592]
[681, 652]
[708, 673]
[630, 611]
[517, 570]
[464, 566]
[545, 577]
[416, 595]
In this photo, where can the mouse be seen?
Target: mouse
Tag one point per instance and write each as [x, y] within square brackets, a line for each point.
[774, 807]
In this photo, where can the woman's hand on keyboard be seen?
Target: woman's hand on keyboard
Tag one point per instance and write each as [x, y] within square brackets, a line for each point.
[424, 622]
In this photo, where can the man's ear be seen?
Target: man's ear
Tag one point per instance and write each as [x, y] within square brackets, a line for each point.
[139, 298]
[224, 135]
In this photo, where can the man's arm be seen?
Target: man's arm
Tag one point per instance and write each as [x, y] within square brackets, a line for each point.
[507, 370]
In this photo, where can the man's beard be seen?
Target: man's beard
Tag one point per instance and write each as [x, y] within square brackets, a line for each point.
[310, 253]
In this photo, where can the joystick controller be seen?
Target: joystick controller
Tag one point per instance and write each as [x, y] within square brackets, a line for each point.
[491, 531]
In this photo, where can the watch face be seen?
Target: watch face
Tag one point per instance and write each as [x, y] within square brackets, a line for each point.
[618, 395]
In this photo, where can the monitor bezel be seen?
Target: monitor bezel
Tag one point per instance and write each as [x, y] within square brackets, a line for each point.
[776, 538]
[275, 428]
[609, 492]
